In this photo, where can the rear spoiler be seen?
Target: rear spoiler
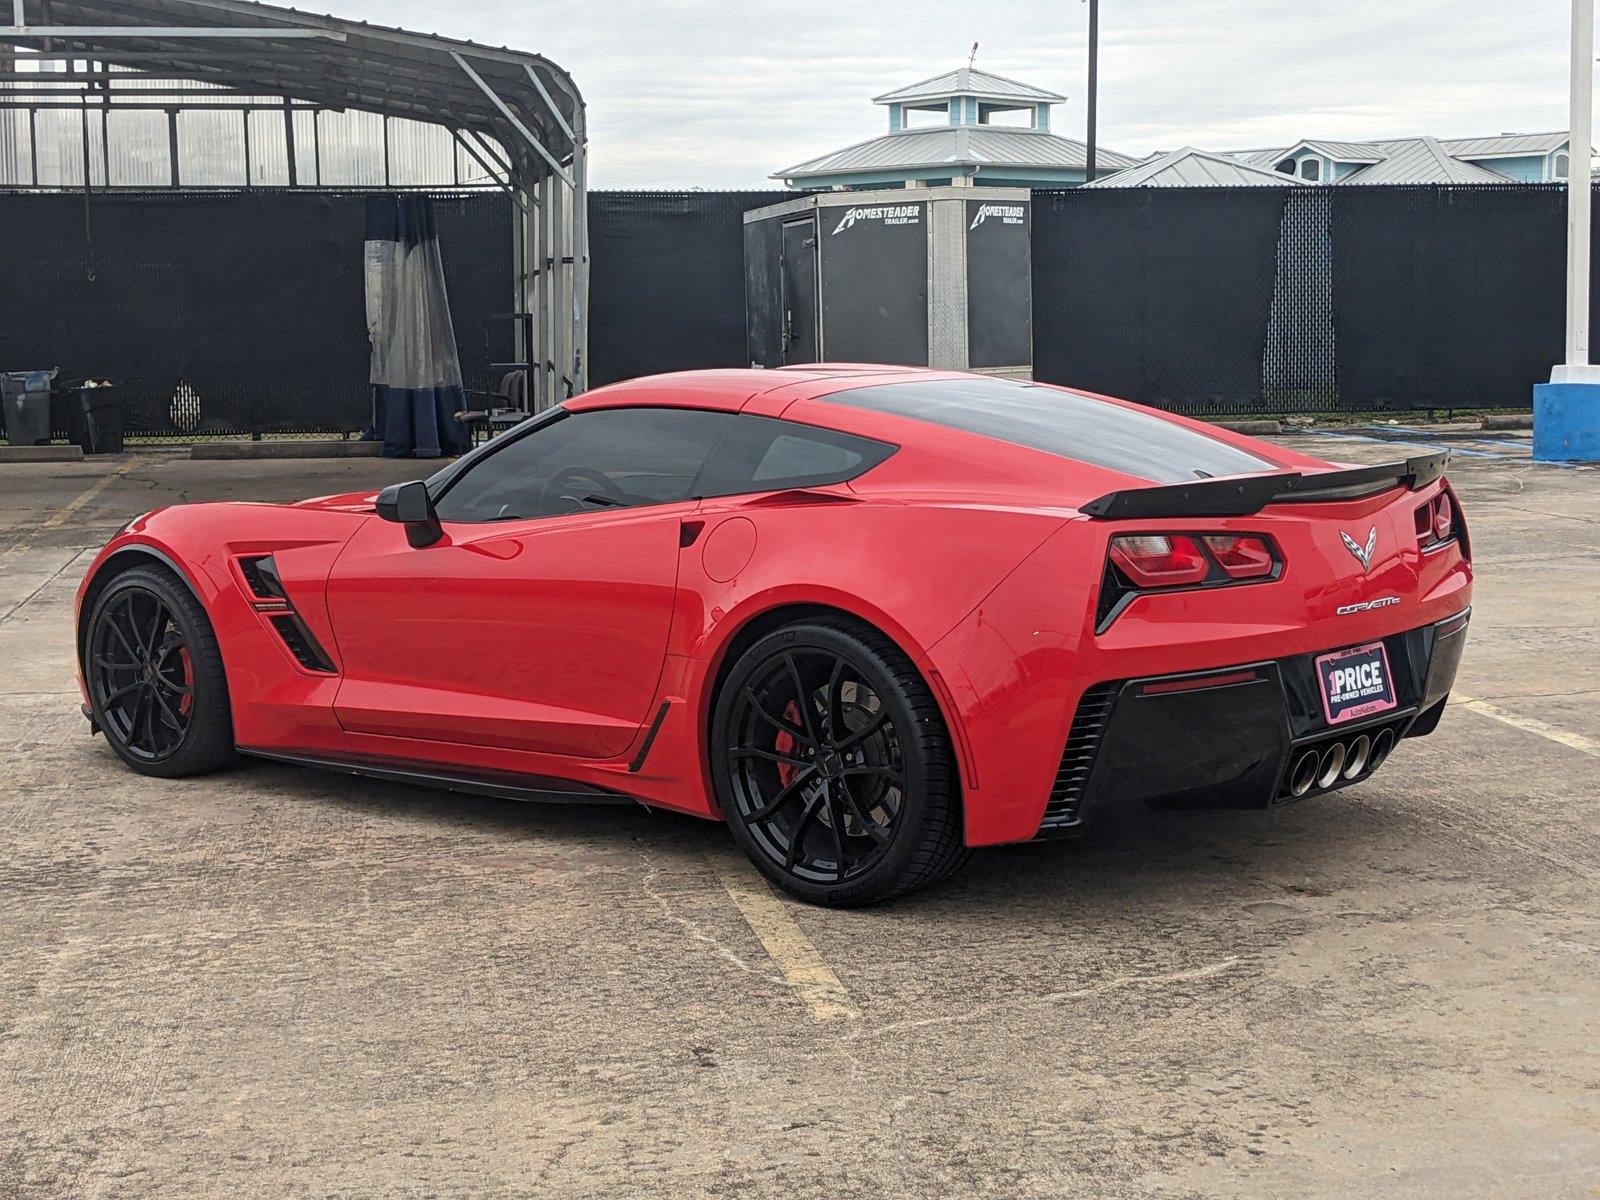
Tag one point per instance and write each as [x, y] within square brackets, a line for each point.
[1240, 496]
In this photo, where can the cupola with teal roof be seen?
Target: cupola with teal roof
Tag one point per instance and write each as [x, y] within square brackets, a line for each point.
[968, 96]
[943, 130]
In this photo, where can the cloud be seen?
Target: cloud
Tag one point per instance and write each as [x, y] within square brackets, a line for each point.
[722, 94]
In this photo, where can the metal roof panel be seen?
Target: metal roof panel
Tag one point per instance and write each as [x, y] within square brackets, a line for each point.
[339, 64]
[967, 81]
[1420, 160]
[1189, 167]
[957, 146]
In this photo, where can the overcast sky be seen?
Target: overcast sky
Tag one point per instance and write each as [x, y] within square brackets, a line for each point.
[695, 93]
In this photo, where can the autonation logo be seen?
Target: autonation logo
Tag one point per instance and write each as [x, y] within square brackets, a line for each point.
[888, 214]
[1008, 214]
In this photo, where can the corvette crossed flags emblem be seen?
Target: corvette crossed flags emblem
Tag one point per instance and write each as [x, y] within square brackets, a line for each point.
[1363, 554]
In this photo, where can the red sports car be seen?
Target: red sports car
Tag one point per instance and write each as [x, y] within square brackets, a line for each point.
[871, 617]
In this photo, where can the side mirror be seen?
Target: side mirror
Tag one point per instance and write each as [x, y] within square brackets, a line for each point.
[410, 505]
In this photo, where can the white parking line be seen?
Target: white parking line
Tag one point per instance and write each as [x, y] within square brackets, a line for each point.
[1574, 741]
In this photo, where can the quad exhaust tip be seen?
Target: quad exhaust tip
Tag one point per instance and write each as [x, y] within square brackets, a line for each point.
[1325, 766]
[1360, 754]
[1304, 774]
[1332, 765]
[1380, 749]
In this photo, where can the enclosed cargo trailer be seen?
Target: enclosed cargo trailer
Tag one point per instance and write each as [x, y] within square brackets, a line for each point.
[936, 277]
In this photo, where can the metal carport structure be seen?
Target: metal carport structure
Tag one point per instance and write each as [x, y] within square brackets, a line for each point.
[519, 115]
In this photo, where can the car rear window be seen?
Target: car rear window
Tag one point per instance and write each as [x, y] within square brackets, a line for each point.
[1076, 427]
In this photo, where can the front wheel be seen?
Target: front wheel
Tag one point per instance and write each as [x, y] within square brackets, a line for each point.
[834, 768]
[155, 678]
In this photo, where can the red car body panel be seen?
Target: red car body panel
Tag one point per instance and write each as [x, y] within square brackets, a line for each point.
[549, 647]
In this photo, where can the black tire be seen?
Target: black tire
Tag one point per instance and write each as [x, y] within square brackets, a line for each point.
[155, 678]
[877, 809]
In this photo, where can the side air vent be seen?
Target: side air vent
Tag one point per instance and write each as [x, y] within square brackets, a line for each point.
[1077, 760]
[262, 576]
[307, 652]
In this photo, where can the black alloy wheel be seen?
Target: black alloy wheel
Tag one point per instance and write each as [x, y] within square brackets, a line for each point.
[834, 768]
[142, 675]
[154, 675]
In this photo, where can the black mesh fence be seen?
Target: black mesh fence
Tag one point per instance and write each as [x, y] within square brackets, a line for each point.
[666, 281]
[1238, 300]
[220, 314]
[1447, 297]
[1155, 294]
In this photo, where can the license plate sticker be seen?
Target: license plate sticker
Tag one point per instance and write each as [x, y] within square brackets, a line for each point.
[1355, 683]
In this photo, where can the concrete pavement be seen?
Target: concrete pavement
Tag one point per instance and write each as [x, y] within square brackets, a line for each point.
[278, 982]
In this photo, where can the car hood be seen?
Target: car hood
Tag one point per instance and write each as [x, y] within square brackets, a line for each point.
[353, 502]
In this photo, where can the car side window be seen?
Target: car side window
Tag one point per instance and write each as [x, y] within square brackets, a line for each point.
[588, 461]
[794, 457]
[767, 454]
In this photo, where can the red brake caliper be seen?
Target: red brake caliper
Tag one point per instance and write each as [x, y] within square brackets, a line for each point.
[784, 743]
[187, 702]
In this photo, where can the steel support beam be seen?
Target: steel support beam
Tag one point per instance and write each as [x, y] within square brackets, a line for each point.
[539, 355]
[561, 291]
[505, 184]
[161, 106]
[288, 142]
[473, 154]
[97, 33]
[580, 254]
[489, 152]
[551, 105]
[516, 121]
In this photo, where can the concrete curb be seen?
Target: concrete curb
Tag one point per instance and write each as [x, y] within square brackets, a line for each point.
[330, 449]
[1252, 428]
[41, 454]
[1508, 421]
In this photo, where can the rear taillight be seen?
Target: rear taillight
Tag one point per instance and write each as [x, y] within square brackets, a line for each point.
[1436, 521]
[1154, 562]
[1443, 518]
[1159, 560]
[1241, 556]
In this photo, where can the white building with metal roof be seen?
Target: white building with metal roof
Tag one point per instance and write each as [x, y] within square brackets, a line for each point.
[962, 127]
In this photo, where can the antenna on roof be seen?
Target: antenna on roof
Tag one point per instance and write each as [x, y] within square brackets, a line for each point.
[973, 57]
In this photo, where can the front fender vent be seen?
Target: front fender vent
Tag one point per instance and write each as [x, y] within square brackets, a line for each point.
[261, 575]
[271, 600]
[302, 644]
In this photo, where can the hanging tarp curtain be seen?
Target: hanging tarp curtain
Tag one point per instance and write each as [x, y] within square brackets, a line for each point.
[416, 372]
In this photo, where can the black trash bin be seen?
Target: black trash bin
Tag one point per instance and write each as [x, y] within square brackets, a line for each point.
[25, 397]
[94, 419]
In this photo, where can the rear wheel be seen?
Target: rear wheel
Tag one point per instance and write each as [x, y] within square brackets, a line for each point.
[834, 768]
[155, 678]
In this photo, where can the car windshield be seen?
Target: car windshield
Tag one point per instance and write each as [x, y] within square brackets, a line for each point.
[1144, 444]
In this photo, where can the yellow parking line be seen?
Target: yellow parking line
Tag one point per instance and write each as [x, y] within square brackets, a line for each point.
[789, 948]
[1483, 708]
[89, 494]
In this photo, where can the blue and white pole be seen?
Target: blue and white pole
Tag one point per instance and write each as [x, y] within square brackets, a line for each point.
[1566, 411]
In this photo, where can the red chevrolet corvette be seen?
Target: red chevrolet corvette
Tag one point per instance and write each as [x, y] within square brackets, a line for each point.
[871, 617]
